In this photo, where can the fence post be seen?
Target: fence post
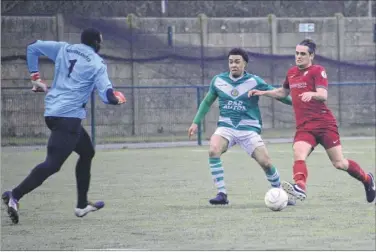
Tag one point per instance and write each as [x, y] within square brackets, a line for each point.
[340, 52]
[273, 43]
[170, 36]
[203, 19]
[199, 133]
[60, 27]
[131, 24]
[273, 32]
[93, 137]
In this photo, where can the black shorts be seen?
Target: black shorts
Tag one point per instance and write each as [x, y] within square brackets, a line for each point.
[68, 135]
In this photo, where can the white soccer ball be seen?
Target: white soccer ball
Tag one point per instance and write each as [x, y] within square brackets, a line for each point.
[276, 199]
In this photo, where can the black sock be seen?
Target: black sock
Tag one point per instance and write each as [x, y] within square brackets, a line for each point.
[83, 180]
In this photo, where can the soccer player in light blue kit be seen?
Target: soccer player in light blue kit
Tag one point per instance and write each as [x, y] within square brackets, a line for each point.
[239, 121]
[78, 70]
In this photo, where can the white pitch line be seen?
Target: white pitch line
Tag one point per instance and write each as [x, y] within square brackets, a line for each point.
[280, 151]
[116, 249]
[324, 152]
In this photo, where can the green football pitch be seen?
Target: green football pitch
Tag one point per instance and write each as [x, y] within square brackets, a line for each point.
[157, 199]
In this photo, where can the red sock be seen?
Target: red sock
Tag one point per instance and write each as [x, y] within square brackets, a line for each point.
[355, 171]
[300, 173]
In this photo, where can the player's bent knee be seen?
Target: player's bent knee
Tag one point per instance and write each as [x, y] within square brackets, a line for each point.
[214, 151]
[50, 166]
[301, 151]
[299, 156]
[340, 164]
[262, 158]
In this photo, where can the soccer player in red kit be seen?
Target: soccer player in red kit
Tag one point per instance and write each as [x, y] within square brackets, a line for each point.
[315, 123]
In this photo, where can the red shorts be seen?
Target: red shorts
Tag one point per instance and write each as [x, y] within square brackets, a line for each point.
[328, 137]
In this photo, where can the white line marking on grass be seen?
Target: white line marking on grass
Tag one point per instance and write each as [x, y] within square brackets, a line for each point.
[324, 152]
[281, 151]
[116, 249]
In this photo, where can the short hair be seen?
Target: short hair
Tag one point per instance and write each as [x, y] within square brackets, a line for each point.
[310, 44]
[239, 51]
[89, 36]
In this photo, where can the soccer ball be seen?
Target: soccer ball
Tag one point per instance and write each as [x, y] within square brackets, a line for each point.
[276, 199]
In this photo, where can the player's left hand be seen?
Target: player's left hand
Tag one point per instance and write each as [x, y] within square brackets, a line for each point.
[120, 96]
[306, 96]
[192, 130]
[39, 85]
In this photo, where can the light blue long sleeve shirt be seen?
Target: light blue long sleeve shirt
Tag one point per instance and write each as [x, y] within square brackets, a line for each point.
[78, 70]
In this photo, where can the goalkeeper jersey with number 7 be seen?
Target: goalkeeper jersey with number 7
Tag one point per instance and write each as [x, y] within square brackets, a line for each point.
[78, 69]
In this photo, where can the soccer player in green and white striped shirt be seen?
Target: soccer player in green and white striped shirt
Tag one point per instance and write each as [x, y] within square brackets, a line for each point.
[239, 121]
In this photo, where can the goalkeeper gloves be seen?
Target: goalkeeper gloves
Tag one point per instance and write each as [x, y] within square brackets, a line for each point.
[120, 96]
[38, 84]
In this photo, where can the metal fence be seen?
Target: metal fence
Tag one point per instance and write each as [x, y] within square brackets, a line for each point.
[164, 113]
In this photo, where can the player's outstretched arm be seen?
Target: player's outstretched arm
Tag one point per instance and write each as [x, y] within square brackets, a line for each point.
[264, 89]
[41, 48]
[204, 107]
[33, 51]
[202, 111]
[277, 93]
[105, 88]
[286, 100]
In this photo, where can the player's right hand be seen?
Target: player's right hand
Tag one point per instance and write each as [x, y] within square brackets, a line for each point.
[38, 84]
[120, 96]
[255, 92]
[192, 130]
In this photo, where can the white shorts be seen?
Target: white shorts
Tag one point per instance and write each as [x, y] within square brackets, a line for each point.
[248, 140]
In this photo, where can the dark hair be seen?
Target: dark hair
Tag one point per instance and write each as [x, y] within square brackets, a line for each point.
[239, 51]
[91, 37]
[310, 44]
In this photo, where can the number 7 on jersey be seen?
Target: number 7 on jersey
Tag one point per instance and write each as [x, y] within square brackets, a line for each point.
[71, 65]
